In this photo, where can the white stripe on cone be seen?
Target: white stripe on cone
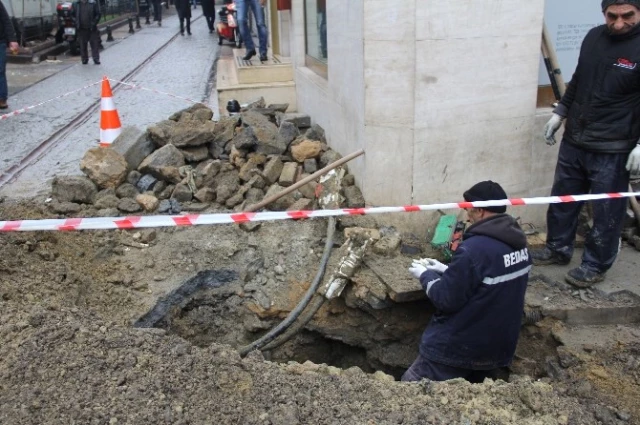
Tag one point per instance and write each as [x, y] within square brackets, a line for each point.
[109, 135]
[107, 104]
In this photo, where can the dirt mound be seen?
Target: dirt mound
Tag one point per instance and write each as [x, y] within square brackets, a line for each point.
[69, 352]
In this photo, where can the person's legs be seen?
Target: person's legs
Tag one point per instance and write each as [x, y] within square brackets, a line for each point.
[83, 39]
[94, 41]
[243, 24]
[258, 13]
[188, 25]
[181, 24]
[425, 368]
[4, 87]
[608, 175]
[562, 219]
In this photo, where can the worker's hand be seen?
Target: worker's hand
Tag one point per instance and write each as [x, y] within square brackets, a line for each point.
[417, 269]
[633, 163]
[435, 265]
[551, 127]
[13, 46]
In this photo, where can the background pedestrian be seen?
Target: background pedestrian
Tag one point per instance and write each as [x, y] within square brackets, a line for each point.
[7, 38]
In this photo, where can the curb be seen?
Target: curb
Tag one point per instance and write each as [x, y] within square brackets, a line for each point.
[49, 47]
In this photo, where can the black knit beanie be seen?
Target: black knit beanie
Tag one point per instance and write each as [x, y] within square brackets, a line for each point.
[607, 3]
[487, 191]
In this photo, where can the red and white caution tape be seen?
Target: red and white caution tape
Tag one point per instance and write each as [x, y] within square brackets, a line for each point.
[136, 222]
[23, 110]
[175, 96]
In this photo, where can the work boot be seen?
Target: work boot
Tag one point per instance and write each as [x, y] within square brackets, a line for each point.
[545, 256]
[263, 58]
[582, 277]
[3, 104]
[249, 55]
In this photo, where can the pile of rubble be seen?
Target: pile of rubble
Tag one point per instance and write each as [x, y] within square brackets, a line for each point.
[189, 162]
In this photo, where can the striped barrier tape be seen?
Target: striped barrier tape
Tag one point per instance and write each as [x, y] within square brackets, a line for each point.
[133, 86]
[25, 109]
[136, 222]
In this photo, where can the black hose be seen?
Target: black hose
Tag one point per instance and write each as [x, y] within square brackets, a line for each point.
[293, 315]
[315, 305]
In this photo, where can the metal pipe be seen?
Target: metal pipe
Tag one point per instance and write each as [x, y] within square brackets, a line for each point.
[553, 58]
[293, 315]
[304, 181]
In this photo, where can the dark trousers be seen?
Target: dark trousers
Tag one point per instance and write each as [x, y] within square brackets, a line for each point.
[93, 38]
[182, 19]
[425, 368]
[157, 10]
[210, 20]
[580, 172]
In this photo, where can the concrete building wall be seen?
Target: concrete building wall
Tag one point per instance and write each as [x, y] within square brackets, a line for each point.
[440, 95]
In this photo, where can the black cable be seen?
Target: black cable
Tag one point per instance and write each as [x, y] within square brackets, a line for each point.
[293, 315]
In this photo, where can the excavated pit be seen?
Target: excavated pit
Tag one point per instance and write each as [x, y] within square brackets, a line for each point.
[211, 308]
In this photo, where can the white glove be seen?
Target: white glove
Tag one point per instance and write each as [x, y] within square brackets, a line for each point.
[633, 163]
[436, 265]
[551, 127]
[431, 264]
[417, 269]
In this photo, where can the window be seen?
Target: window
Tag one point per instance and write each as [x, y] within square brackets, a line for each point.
[315, 14]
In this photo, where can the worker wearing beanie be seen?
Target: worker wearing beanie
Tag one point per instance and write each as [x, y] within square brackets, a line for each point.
[479, 297]
[599, 149]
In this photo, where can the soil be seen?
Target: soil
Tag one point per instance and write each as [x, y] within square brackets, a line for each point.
[72, 349]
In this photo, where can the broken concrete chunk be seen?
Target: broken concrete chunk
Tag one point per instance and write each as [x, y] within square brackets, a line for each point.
[362, 233]
[354, 197]
[133, 177]
[288, 174]
[73, 189]
[182, 193]
[166, 156]
[169, 206]
[279, 107]
[195, 154]
[315, 133]
[105, 167]
[299, 120]
[128, 205]
[147, 202]
[287, 133]
[329, 157]
[206, 194]
[306, 149]
[126, 190]
[389, 243]
[272, 170]
[107, 201]
[282, 203]
[310, 166]
[134, 145]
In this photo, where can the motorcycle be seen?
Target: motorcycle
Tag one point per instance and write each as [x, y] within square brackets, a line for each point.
[67, 26]
[227, 28]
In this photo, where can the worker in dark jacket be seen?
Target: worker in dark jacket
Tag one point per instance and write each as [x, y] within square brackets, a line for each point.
[600, 143]
[479, 297]
[87, 19]
[7, 38]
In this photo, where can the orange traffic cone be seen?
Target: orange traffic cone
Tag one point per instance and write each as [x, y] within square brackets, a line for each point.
[110, 126]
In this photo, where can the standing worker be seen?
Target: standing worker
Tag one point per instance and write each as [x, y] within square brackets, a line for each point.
[600, 143]
[209, 12]
[87, 19]
[242, 7]
[479, 297]
[184, 13]
[7, 36]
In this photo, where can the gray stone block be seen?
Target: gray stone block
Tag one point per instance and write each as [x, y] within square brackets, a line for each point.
[134, 145]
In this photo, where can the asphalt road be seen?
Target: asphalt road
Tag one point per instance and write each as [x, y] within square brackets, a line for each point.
[154, 58]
